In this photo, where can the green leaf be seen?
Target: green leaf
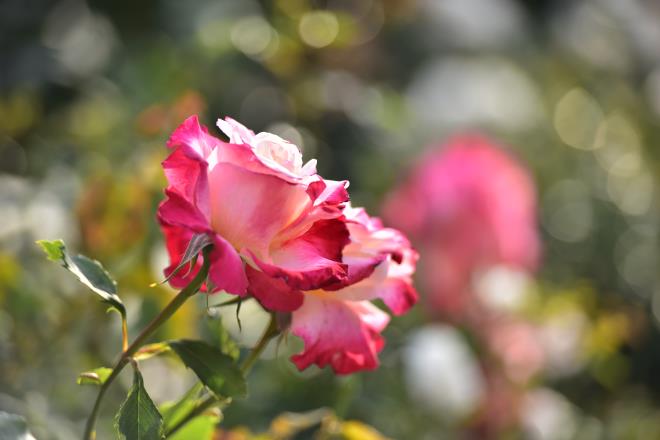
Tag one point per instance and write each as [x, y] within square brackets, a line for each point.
[214, 368]
[220, 337]
[90, 272]
[13, 427]
[174, 412]
[138, 418]
[54, 249]
[97, 376]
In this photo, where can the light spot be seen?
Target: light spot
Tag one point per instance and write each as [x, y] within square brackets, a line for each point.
[618, 146]
[252, 35]
[318, 29]
[577, 118]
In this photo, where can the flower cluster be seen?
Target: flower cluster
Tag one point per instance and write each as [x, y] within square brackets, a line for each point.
[288, 238]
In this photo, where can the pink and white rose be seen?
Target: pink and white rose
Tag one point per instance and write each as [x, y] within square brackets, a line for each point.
[287, 237]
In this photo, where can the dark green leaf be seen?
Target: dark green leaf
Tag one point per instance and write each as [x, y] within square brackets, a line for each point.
[97, 376]
[138, 418]
[13, 427]
[90, 272]
[214, 368]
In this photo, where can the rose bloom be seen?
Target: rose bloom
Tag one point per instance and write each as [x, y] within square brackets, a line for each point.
[469, 206]
[339, 324]
[258, 202]
[284, 235]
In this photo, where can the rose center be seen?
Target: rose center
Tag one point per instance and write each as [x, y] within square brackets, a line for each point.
[280, 152]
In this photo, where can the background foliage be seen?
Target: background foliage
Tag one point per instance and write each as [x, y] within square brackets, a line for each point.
[89, 92]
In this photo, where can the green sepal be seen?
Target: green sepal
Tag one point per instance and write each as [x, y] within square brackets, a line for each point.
[197, 243]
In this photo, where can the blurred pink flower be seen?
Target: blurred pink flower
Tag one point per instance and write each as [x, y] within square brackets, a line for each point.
[467, 205]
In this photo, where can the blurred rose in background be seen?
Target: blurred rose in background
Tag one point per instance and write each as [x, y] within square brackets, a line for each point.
[470, 208]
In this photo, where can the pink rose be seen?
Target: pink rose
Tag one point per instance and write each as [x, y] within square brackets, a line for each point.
[287, 237]
[469, 205]
[276, 225]
[339, 324]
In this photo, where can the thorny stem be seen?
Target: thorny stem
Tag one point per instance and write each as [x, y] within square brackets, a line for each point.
[211, 400]
[188, 291]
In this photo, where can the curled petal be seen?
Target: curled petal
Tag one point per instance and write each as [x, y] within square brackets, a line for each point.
[273, 293]
[188, 188]
[360, 267]
[397, 292]
[327, 201]
[342, 334]
[227, 270]
[235, 131]
[195, 136]
[329, 192]
[380, 264]
[186, 173]
[177, 210]
[312, 260]
[398, 295]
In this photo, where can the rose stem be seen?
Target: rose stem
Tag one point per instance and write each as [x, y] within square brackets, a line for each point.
[188, 291]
